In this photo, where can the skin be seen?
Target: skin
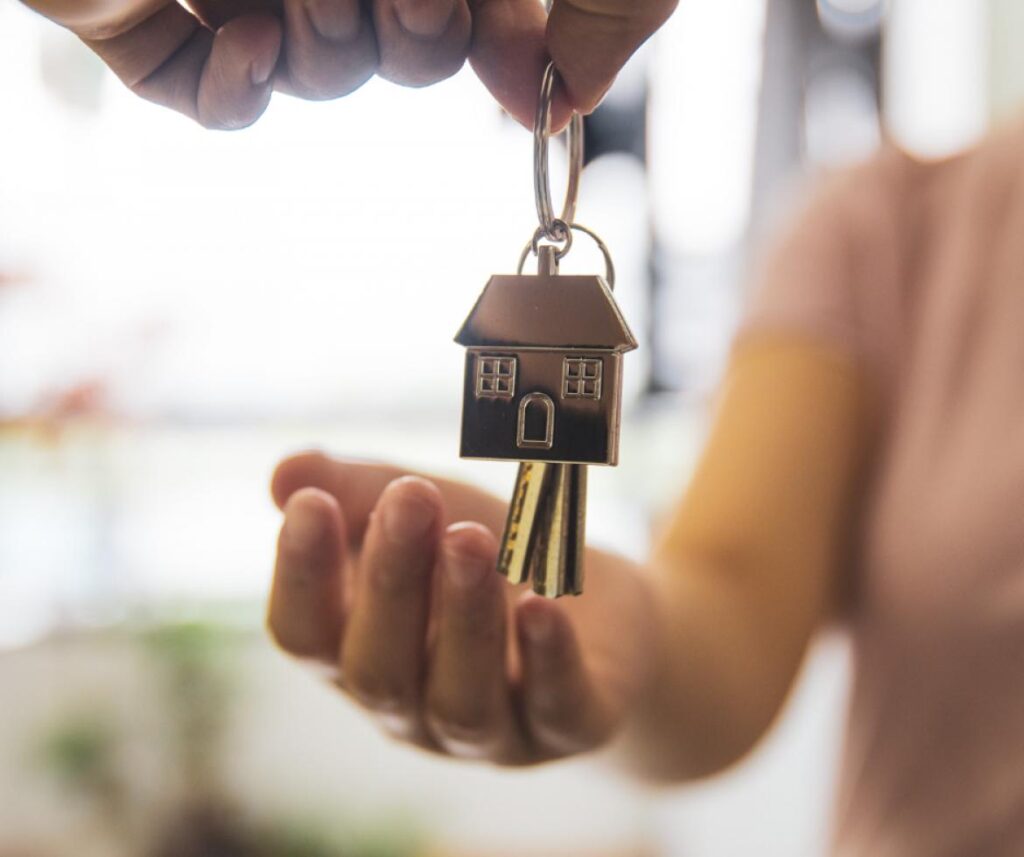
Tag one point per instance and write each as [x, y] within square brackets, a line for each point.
[387, 581]
[220, 63]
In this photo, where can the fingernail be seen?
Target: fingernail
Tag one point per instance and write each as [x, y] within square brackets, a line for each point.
[464, 570]
[538, 626]
[262, 69]
[302, 528]
[426, 18]
[337, 20]
[406, 517]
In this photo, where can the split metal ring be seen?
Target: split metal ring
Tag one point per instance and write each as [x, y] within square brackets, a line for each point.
[541, 173]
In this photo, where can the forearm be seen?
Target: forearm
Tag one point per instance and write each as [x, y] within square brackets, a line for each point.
[749, 567]
[722, 672]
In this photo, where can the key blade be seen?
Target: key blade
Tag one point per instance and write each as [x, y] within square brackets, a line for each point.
[576, 538]
[560, 549]
[550, 554]
[522, 526]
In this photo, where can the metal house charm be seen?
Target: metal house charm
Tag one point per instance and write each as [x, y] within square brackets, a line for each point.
[544, 370]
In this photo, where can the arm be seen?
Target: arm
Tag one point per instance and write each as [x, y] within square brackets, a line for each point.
[752, 561]
[691, 658]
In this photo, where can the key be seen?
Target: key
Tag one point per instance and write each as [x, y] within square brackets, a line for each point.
[524, 523]
[558, 554]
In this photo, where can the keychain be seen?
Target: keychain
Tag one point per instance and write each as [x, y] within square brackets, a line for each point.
[543, 381]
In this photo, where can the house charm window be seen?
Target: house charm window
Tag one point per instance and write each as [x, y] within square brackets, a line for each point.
[581, 378]
[495, 377]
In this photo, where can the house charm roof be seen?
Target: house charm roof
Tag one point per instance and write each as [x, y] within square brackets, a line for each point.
[565, 312]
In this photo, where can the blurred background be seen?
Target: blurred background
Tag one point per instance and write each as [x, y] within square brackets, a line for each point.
[181, 308]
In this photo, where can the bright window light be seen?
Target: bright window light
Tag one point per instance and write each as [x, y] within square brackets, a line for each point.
[936, 74]
[287, 270]
[704, 90]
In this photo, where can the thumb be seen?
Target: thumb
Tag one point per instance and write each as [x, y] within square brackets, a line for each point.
[591, 40]
[508, 54]
[357, 486]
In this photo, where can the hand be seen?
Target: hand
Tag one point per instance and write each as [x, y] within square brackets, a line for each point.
[221, 64]
[408, 615]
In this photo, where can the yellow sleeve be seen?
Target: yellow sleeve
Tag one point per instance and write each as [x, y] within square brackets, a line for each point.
[775, 490]
[751, 561]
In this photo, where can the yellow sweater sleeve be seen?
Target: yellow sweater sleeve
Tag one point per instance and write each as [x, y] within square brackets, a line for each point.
[751, 561]
[774, 491]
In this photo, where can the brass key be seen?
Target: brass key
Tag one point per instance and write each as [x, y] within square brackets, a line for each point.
[558, 558]
[525, 521]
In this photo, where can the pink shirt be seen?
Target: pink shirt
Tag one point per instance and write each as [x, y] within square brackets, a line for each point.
[917, 269]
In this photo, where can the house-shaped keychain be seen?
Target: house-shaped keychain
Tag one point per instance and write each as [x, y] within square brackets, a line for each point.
[543, 375]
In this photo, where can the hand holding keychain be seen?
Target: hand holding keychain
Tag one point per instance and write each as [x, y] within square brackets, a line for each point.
[543, 380]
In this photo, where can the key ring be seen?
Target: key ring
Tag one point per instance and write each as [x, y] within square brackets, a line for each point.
[568, 229]
[549, 223]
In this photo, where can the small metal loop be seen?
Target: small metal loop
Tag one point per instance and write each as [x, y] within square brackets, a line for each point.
[560, 231]
[534, 245]
[609, 265]
[541, 172]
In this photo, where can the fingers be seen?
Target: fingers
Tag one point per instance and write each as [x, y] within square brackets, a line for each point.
[424, 637]
[383, 652]
[330, 49]
[236, 81]
[358, 485]
[306, 610]
[221, 80]
[467, 707]
[563, 712]
[421, 41]
[220, 68]
[216, 13]
[590, 40]
[509, 55]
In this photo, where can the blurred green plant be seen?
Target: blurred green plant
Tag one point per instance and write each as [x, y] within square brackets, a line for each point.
[396, 836]
[80, 751]
[197, 668]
